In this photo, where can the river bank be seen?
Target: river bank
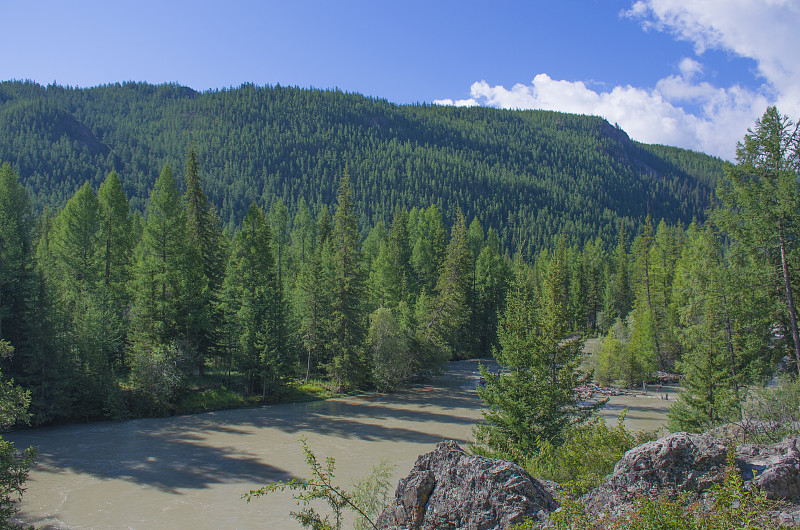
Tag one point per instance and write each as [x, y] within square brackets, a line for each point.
[190, 471]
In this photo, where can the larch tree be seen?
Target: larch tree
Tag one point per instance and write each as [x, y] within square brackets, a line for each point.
[761, 198]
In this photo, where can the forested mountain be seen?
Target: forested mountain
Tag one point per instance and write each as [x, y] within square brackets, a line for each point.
[531, 173]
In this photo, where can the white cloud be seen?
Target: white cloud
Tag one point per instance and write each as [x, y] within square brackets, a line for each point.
[680, 109]
[646, 115]
[471, 102]
[763, 30]
[690, 68]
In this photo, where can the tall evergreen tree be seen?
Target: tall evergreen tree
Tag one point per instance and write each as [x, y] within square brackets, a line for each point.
[254, 306]
[115, 255]
[441, 327]
[532, 400]
[159, 307]
[203, 269]
[349, 316]
[16, 253]
[761, 196]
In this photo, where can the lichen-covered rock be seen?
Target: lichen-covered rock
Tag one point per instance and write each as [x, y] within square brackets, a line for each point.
[693, 463]
[449, 489]
[776, 468]
[678, 462]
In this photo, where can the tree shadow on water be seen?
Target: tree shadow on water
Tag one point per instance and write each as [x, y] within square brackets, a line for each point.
[164, 459]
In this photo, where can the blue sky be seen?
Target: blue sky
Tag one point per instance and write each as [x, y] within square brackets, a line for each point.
[691, 73]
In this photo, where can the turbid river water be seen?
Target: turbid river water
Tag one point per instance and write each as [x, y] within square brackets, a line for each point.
[191, 471]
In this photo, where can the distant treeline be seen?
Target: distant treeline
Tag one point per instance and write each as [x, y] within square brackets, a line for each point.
[528, 175]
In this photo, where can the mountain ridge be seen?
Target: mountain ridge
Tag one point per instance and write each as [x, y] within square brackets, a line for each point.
[537, 173]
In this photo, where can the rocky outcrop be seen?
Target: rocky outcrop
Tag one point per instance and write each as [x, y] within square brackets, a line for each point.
[776, 468]
[449, 489]
[693, 463]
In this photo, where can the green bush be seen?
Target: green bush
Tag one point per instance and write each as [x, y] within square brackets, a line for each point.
[588, 454]
[368, 497]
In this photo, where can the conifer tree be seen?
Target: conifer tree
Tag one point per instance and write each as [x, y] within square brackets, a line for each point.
[159, 307]
[761, 196]
[348, 317]
[16, 253]
[710, 380]
[535, 401]
[441, 327]
[203, 267]
[254, 306]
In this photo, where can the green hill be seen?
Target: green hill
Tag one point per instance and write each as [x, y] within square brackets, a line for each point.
[536, 172]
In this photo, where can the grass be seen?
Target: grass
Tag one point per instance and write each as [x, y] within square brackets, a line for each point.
[209, 398]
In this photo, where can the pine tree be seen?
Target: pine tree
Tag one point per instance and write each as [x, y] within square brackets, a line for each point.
[203, 268]
[534, 401]
[16, 253]
[115, 257]
[348, 317]
[442, 327]
[159, 306]
[620, 286]
[254, 306]
[710, 379]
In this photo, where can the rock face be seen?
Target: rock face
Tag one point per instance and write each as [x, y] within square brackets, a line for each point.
[776, 467]
[449, 489]
[694, 463]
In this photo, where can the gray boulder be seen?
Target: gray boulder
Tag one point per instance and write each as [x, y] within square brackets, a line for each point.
[693, 463]
[449, 489]
[776, 468]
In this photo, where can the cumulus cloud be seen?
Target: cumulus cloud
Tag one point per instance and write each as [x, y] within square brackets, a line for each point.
[471, 102]
[681, 109]
[762, 30]
[651, 116]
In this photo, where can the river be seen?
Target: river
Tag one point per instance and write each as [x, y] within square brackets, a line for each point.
[191, 471]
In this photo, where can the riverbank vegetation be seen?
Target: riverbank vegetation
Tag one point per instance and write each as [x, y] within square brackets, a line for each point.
[113, 313]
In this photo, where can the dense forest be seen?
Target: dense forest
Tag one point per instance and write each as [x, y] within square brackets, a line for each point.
[127, 295]
[528, 175]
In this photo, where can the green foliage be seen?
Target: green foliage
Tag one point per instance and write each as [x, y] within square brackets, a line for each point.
[366, 500]
[389, 344]
[156, 374]
[348, 322]
[761, 198]
[712, 365]
[14, 465]
[770, 414]
[588, 454]
[534, 401]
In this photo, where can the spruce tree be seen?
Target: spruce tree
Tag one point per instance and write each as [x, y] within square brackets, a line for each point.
[254, 306]
[348, 316]
[710, 378]
[159, 305]
[16, 257]
[203, 267]
[115, 256]
[532, 399]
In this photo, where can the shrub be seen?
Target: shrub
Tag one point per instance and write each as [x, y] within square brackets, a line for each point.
[588, 454]
[770, 414]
